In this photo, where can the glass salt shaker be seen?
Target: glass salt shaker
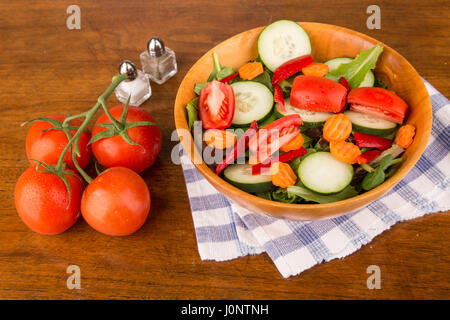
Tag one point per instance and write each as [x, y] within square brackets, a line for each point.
[137, 85]
[158, 62]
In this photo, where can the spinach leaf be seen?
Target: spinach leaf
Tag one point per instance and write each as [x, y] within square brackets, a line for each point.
[309, 195]
[219, 72]
[355, 71]
[377, 177]
[192, 112]
[199, 86]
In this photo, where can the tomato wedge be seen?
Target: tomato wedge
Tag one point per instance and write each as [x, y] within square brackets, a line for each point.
[378, 102]
[274, 135]
[318, 94]
[216, 105]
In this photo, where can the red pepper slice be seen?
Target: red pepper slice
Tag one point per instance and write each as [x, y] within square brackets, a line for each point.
[345, 83]
[285, 157]
[368, 156]
[369, 141]
[275, 135]
[291, 67]
[278, 97]
[229, 78]
[239, 148]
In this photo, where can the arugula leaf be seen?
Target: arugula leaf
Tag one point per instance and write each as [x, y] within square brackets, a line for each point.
[264, 78]
[309, 195]
[380, 84]
[264, 195]
[192, 112]
[395, 150]
[355, 71]
[377, 177]
[281, 195]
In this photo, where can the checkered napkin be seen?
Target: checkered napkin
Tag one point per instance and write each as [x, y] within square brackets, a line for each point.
[226, 231]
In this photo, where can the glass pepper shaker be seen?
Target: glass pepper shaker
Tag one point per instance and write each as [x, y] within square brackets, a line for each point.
[158, 62]
[137, 85]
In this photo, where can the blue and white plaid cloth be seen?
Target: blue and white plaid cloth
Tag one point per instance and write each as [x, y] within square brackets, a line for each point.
[226, 231]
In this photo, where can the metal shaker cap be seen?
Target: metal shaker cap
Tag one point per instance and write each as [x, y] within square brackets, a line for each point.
[128, 67]
[156, 47]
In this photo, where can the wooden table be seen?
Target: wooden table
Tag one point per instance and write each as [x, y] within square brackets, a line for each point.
[46, 68]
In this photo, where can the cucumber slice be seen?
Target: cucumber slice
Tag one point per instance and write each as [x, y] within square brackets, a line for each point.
[240, 175]
[282, 41]
[369, 79]
[368, 124]
[254, 101]
[323, 173]
[311, 119]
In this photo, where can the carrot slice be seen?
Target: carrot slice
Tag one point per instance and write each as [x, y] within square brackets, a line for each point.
[282, 175]
[221, 139]
[294, 144]
[345, 151]
[405, 136]
[251, 70]
[337, 127]
[316, 69]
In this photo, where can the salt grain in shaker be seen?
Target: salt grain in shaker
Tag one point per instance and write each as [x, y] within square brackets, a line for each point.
[137, 85]
[158, 62]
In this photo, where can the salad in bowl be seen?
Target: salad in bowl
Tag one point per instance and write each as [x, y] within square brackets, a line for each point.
[295, 125]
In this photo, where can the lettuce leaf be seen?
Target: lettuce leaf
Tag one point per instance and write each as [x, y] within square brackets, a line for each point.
[309, 195]
[355, 71]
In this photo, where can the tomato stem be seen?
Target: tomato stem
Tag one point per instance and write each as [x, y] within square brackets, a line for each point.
[101, 101]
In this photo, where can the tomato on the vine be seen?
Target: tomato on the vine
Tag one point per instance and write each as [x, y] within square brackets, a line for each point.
[117, 202]
[43, 203]
[47, 146]
[116, 152]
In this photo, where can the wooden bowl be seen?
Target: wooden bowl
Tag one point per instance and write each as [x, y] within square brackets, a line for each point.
[327, 42]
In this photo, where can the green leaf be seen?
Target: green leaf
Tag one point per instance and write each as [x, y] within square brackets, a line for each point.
[355, 71]
[379, 84]
[281, 195]
[224, 72]
[264, 78]
[192, 112]
[309, 195]
[377, 177]
[199, 86]
[264, 195]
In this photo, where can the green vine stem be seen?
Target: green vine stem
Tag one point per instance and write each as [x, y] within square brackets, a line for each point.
[101, 101]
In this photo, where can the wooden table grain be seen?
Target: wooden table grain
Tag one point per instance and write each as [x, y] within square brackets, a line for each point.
[46, 68]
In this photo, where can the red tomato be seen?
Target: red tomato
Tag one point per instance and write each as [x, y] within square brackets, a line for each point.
[48, 146]
[274, 135]
[378, 102]
[116, 152]
[42, 201]
[318, 94]
[117, 202]
[216, 105]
